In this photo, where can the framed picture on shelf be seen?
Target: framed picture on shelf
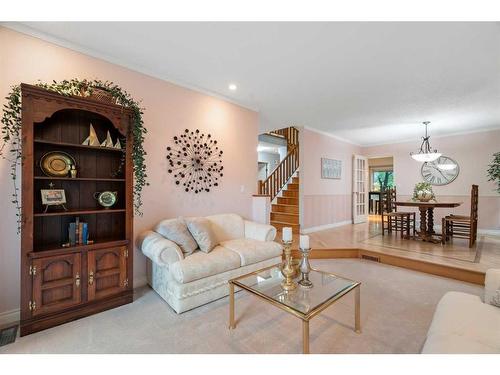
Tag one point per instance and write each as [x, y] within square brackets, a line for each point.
[331, 168]
[53, 197]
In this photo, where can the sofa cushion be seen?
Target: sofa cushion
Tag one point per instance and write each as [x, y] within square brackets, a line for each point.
[455, 344]
[227, 226]
[199, 264]
[252, 251]
[177, 231]
[464, 316]
[201, 230]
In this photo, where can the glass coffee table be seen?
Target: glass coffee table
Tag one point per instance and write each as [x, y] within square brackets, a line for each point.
[301, 302]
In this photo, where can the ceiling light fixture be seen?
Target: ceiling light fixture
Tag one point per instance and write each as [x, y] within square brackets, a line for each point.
[232, 87]
[426, 153]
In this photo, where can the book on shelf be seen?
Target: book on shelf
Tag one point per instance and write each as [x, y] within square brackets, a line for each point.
[78, 233]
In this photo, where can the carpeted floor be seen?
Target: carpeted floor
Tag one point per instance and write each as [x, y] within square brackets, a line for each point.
[396, 309]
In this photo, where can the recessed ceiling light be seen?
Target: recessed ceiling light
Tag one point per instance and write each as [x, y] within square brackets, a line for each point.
[232, 87]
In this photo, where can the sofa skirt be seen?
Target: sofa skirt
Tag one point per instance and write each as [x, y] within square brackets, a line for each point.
[184, 297]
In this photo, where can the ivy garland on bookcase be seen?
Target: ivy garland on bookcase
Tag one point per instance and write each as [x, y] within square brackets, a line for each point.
[11, 131]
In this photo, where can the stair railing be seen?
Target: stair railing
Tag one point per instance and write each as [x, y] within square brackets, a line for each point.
[278, 178]
[291, 135]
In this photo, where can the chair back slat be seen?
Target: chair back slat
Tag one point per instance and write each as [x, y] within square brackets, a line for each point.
[388, 199]
[474, 200]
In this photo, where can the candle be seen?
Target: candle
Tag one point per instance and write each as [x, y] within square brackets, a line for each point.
[304, 242]
[287, 234]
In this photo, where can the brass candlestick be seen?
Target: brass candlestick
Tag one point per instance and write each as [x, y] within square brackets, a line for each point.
[305, 268]
[287, 269]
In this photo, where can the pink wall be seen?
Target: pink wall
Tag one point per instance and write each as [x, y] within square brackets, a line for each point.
[473, 152]
[324, 201]
[169, 110]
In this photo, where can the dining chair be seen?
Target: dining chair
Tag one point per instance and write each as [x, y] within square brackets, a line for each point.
[394, 220]
[460, 226]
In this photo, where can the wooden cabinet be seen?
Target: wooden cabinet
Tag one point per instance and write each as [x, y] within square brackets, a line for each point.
[56, 283]
[107, 272]
[61, 280]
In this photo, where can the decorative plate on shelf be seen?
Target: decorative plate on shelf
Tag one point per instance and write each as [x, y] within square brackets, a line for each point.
[56, 163]
[106, 198]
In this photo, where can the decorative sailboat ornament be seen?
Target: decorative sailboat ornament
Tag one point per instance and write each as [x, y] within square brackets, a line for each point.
[108, 142]
[118, 145]
[92, 139]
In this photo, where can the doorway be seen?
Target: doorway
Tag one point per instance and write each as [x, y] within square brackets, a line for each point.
[381, 178]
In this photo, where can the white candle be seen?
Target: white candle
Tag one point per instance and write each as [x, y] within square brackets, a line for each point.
[304, 242]
[287, 234]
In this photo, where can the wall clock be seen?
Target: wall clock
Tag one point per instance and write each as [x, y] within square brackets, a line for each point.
[195, 160]
[442, 171]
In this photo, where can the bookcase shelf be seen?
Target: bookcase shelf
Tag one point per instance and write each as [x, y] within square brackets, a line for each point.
[75, 145]
[80, 212]
[79, 179]
[56, 249]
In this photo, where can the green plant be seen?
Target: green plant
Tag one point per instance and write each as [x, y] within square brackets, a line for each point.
[11, 131]
[424, 188]
[494, 170]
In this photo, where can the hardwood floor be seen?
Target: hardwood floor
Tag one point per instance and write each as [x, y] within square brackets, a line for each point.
[453, 260]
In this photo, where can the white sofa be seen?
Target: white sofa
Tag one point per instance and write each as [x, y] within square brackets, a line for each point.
[463, 323]
[186, 282]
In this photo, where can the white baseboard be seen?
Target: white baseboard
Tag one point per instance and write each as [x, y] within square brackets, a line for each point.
[325, 227]
[10, 316]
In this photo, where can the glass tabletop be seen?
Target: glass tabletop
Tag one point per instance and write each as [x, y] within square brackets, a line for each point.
[326, 288]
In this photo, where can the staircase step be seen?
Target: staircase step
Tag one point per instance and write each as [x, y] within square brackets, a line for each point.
[280, 225]
[295, 180]
[284, 217]
[292, 186]
[290, 193]
[288, 208]
[290, 201]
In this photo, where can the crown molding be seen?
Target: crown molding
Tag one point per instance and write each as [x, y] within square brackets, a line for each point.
[332, 136]
[409, 140]
[27, 30]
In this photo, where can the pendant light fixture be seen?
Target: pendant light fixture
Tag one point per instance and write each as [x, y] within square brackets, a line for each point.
[426, 153]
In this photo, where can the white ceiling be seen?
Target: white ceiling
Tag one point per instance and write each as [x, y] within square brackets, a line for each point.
[369, 83]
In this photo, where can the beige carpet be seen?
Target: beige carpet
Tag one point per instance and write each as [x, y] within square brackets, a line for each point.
[396, 309]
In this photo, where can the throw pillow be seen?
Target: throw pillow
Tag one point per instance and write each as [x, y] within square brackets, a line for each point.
[202, 232]
[176, 231]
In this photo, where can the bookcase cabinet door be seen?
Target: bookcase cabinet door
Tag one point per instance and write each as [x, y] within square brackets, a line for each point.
[107, 272]
[56, 283]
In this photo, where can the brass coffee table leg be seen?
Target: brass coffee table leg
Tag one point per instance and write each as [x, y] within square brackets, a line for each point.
[357, 309]
[231, 306]
[305, 336]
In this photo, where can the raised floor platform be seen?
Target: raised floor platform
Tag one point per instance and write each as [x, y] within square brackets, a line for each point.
[454, 260]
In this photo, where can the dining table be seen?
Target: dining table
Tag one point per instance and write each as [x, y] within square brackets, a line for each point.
[426, 232]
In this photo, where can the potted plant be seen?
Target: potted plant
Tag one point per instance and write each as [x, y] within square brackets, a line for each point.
[494, 170]
[423, 192]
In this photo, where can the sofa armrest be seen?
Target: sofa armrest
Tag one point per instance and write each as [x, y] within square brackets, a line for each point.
[160, 250]
[259, 232]
[491, 284]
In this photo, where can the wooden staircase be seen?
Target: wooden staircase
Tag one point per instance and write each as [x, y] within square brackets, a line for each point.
[285, 212]
[282, 185]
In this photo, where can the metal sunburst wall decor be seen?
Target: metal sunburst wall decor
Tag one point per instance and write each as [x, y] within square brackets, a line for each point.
[195, 161]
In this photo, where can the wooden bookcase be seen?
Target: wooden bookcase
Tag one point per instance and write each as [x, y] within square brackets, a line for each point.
[60, 284]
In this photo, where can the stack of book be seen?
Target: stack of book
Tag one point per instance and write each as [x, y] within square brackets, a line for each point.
[78, 233]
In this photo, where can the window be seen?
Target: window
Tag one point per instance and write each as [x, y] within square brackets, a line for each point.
[382, 180]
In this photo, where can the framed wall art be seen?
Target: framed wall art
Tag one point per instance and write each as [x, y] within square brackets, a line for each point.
[331, 168]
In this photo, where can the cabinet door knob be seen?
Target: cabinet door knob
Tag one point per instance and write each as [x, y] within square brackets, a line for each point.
[91, 277]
